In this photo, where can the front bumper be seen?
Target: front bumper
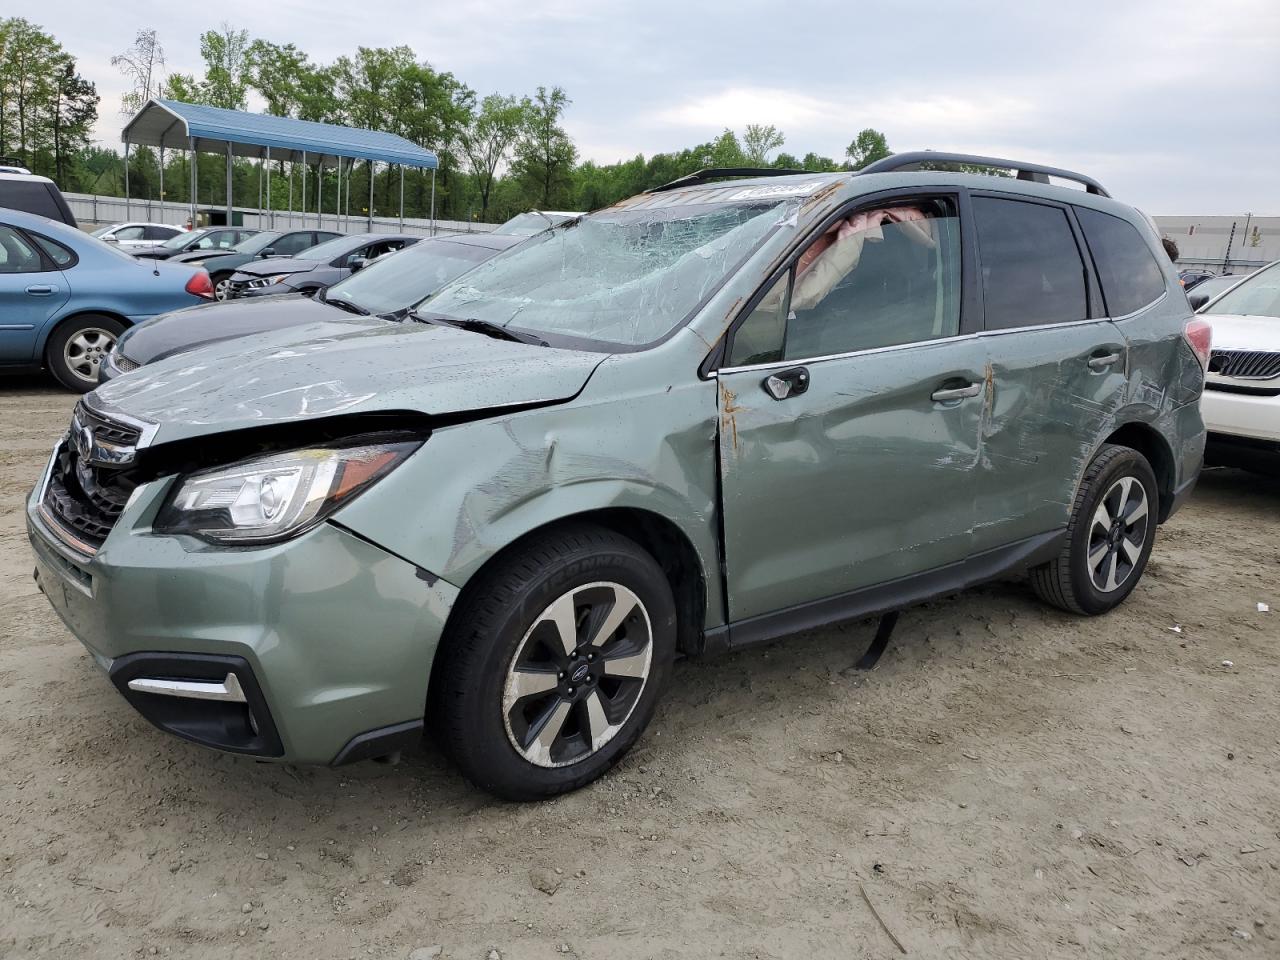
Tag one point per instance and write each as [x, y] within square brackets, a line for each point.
[1252, 415]
[330, 638]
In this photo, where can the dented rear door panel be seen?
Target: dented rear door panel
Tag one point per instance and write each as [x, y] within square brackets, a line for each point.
[861, 479]
[1049, 409]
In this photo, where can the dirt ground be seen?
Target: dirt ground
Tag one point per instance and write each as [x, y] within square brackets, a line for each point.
[1009, 782]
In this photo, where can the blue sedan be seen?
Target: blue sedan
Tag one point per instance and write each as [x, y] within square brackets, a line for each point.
[65, 297]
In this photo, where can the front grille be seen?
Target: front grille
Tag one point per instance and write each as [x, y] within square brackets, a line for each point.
[119, 434]
[85, 499]
[1245, 364]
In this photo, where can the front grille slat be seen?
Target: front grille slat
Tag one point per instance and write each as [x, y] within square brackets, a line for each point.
[86, 499]
[1245, 364]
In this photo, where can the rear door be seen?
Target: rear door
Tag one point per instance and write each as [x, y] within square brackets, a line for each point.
[850, 408]
[1057, 367]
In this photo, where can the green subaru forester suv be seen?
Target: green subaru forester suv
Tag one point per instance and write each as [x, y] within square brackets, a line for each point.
[708, 416]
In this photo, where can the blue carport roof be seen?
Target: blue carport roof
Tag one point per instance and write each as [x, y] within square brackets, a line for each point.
[173, 124]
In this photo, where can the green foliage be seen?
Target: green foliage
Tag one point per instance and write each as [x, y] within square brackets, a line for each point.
[46, 108]
[867, 147]
[499, 155]
[544, 154]
[760, 141]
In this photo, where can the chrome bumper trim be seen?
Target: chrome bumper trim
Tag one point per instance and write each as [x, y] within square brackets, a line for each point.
[229, 690]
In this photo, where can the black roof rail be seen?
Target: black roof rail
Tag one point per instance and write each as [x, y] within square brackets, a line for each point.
[724, 173]
[1038, 173]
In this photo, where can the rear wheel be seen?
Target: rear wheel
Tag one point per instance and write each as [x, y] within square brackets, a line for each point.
[555, 663]
[1109, 536]
[77, 348]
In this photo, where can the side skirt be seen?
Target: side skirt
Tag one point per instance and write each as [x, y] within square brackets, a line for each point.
[884, 597]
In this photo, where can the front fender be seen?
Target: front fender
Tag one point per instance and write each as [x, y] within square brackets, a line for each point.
[476, 487]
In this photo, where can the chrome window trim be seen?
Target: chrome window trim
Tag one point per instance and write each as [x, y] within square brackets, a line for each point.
[1142, 309]
[799, 362]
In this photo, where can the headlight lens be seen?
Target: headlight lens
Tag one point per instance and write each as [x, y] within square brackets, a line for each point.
[276, 497]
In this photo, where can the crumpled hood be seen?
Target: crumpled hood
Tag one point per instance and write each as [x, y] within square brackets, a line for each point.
[330, 368]
[274, 265]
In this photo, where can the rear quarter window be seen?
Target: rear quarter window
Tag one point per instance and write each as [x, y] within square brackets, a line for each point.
[1130, 276]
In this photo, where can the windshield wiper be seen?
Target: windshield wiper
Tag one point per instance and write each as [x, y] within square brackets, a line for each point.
[347, 305]
[476, 325]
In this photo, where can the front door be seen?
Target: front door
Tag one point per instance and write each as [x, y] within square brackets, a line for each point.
[30, 291]
[850, 414]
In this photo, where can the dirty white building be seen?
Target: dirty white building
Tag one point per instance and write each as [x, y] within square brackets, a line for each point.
[1223, 244]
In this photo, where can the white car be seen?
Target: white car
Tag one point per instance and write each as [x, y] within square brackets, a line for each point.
[137, 234]
[1241, 401]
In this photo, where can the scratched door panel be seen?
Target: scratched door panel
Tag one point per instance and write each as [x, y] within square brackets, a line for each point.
[860, 479]
[1049, 409]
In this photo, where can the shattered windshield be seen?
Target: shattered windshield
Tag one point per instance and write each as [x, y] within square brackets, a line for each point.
[624, 277]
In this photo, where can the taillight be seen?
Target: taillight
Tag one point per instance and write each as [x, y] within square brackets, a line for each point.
[200, 286]
[1199, 336]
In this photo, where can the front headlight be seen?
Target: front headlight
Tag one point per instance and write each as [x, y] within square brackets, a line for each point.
[276, 497]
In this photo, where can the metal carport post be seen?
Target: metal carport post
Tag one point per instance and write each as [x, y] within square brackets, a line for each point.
[230, 215]
[126, 180]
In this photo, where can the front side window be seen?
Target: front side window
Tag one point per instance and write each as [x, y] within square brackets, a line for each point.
[180, 241]
[875, 278]
[16, 254]
[135, 232]
[1032, 273]
[1130, 276]
[620, 277]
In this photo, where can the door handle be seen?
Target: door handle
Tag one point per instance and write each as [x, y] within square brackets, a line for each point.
[948, 394]
[1104, 360]
[40, 289]
[786, 383]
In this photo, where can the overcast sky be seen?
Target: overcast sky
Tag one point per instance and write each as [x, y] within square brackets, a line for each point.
[1174, 106]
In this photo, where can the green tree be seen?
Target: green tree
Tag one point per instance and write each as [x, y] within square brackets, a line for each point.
[486, 143]
[279, 73]
[73, 113]
[226, 60]
[759, 141]
[867, 147]
[544, 154]
[30, 62]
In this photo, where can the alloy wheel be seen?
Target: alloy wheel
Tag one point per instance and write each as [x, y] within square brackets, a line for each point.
[1117, 534]
[577, 674]
[85, 351]
[222, 289]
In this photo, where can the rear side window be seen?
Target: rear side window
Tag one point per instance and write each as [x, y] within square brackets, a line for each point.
[1032, 273]
[56, 252]
[294, 243]
[161, 233]
[1131, 278]
[31, 197]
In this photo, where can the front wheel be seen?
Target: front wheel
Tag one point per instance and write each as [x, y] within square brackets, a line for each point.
[1109, 536]
[555, 663]
[221, 286]
[77, 349]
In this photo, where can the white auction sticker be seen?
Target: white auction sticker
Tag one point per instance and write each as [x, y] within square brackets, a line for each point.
[777, 190]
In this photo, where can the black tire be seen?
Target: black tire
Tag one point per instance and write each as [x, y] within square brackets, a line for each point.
[75, 350]
[218, 279]
[1068, 581]
[495, 621]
